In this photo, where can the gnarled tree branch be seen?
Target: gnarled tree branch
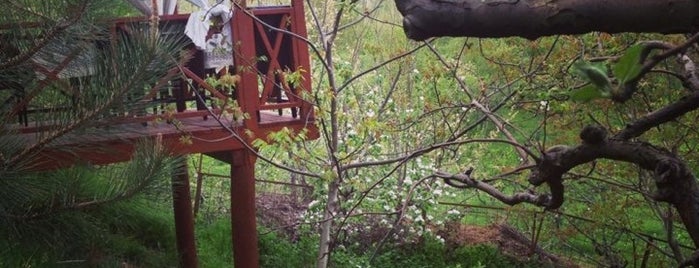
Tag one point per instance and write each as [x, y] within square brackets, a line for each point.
[674, 181]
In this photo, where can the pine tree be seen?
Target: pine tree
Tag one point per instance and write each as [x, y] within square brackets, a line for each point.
[49, 216]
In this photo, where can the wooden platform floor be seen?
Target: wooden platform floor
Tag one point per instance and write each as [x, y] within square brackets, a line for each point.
[116, 143]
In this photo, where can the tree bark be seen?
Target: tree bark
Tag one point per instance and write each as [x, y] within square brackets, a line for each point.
[531, 19]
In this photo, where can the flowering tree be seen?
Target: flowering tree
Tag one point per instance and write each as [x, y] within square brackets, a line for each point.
[618, 77]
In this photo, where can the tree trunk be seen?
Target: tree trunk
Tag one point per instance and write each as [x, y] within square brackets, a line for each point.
[535, 18]
[184, 219]
[326, 225]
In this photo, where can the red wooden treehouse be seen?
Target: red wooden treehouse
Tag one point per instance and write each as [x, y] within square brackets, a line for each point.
[266, 49]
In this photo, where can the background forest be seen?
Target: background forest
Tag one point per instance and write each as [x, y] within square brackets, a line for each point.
[396, 117]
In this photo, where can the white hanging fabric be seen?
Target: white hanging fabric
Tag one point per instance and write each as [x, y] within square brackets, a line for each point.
[199, 23]
[219, 46]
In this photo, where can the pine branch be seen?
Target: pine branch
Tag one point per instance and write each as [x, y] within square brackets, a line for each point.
[149, 164]
[51, 34]
[130, 82]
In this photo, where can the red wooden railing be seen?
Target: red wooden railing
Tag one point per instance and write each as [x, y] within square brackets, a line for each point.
[264, 45]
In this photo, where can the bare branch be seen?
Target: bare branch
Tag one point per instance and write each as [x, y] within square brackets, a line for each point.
[668, 113]
[433, 147]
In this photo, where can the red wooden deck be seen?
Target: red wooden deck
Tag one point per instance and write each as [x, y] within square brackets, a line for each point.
[262, 92]
[116, 142]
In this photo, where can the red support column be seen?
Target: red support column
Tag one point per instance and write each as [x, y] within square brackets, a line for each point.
[184, 219]
[301, 56]
[243, 218]
[245, 59]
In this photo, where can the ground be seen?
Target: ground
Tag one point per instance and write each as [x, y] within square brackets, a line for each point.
[283, 214]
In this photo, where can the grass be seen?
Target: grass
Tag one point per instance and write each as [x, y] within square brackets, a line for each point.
[137, 231]
[214, 247]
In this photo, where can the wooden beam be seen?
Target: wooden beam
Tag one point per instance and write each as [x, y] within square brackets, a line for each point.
[243, 217]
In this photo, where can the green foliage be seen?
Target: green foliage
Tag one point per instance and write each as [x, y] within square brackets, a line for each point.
[627, 68]
[488, 256]
[596, 74]
[629, 65]
[382, 112]
[214, 247]
[588, 92]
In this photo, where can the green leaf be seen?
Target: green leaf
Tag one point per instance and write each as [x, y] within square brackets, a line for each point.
[259, 143]
[587, 93]
[595, 74]
[629, 65]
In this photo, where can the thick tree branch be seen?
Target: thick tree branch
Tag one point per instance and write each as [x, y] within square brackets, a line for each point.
[674, 181]
[531, 19]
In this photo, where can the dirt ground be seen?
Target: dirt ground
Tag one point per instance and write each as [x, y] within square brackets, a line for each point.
[283, 213]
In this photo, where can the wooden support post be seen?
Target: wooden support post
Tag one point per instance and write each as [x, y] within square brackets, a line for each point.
[243, 218]
[184, 219]
[245, 58]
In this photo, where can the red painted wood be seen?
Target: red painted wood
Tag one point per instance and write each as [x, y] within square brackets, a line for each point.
[243, 217]
[301, 55]
[245, 60]
[272, 10]
[272, 58]
[117, 143]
